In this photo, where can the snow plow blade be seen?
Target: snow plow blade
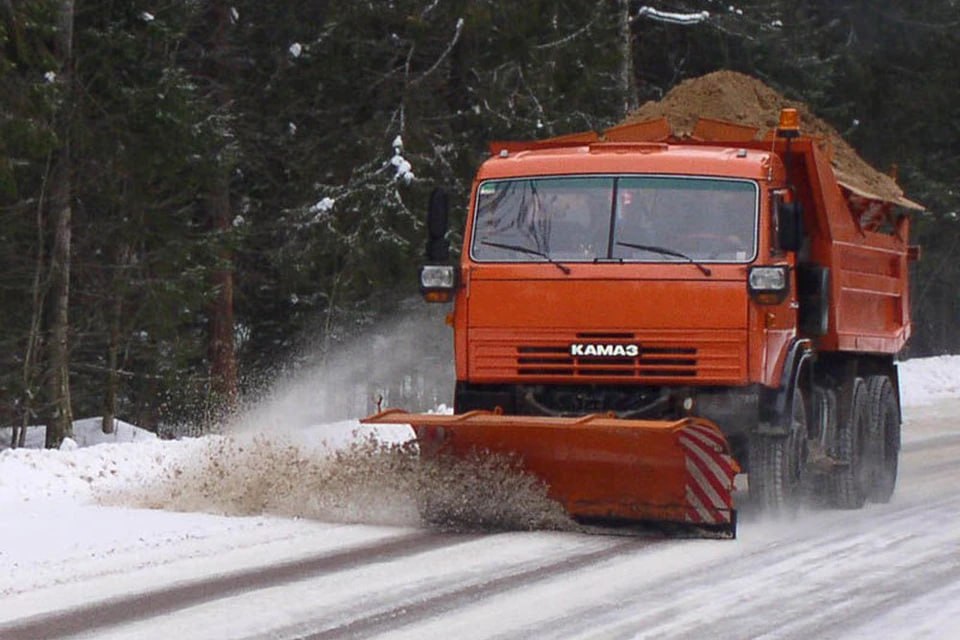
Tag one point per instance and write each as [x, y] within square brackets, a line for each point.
[597, 466]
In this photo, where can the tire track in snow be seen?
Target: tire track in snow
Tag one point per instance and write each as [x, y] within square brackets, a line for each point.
[758, 594]
[152, 603]
[863, 605]
[933, 442]
[932, 471]
[436, 605]
[913, 470]
[763, 611]
[655, 607]
[851, 583]
[406, 613]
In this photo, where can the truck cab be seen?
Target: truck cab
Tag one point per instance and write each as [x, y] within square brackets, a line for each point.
[727, 277]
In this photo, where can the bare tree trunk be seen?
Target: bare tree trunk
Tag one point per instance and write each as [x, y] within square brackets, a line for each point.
[108, 421]
[222, 351]
[31, 356]
[628, 80]
[113, 380]
[60, 422]
[223, 360]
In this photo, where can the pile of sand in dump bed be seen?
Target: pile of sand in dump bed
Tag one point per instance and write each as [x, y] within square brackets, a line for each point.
[735, 97]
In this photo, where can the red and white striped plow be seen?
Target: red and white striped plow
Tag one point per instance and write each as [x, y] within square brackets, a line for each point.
[599, 467]
[710, 474]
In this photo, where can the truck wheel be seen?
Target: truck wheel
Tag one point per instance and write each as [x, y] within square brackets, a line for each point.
[822, 428]
[851, 482]
[777, 463]
[885, 429]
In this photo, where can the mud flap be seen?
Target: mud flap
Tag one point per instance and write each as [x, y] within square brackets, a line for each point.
[597, 466]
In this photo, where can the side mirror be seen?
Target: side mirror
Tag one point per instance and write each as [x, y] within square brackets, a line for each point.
[438, 216]
[787, 223]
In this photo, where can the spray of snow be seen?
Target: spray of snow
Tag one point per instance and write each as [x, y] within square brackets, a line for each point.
[368, 481]
[299, 450]
[405, 362]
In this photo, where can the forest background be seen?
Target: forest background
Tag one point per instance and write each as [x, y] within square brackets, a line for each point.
[199, 195]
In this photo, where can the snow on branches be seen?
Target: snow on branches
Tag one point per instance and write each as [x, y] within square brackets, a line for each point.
[671, 17]
[365, 180]
[403, 167]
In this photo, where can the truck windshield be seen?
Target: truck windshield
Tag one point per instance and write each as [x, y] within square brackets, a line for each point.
[588, 219]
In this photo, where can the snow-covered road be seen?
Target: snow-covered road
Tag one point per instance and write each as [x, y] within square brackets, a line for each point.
[72, 568]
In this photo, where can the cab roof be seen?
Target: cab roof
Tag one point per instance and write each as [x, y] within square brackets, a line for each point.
[629, 157]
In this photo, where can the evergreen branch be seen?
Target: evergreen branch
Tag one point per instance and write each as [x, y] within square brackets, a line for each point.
[446, 52]
[575, 34]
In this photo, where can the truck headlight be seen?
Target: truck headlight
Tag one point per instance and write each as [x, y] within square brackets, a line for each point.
[768, 279]
[438, 282]
[768, 285]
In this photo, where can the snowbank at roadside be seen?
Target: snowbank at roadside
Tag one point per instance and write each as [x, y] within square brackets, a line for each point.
[926, 380]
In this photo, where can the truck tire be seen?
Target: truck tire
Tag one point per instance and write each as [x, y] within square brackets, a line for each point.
[885, 428]
[851, 482]
[822, 428]
[777, 464]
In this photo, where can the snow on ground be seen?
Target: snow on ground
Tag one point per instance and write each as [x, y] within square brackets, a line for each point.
[925, 380]
[94, 512]
[86, 433]
[104, 505]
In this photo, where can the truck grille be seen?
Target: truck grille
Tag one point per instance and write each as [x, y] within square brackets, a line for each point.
[651, 361]
[707, 357]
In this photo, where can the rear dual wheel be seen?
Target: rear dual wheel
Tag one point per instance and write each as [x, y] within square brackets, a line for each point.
[885, 428]
[868, 445]
[850, 482]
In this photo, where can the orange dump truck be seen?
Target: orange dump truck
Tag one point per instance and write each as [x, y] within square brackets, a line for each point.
[639, 317]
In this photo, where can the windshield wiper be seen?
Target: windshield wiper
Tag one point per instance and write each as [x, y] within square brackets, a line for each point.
[666, 252]
[528, 250]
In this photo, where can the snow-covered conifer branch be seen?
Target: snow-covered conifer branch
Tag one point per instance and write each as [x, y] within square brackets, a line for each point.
[672, 18]
[453, 42]
[571, 36]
